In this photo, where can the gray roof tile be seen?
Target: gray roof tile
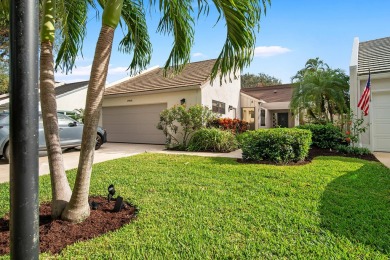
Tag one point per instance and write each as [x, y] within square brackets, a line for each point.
[277, 93]
[194, 74]
[374, 56]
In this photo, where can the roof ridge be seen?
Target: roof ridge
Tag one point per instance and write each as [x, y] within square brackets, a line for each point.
[379, 39]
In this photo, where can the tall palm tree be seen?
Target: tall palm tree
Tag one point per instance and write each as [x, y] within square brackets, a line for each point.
[69, 16]
[242, 19]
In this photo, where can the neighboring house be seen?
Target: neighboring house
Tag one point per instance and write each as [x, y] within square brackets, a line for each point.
[373, 56]
[69, 96]
[267, 107]
[131, 108]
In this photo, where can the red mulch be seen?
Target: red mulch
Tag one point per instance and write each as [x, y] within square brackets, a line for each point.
[104, 220]
[101, 221]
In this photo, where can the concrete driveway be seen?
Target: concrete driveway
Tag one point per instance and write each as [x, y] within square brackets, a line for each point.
[107, 152]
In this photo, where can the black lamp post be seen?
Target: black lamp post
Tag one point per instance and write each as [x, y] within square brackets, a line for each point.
[24, 164]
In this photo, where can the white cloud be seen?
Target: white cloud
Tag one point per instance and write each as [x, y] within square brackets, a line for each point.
[268, 51]
[198, 54]
[81, 73]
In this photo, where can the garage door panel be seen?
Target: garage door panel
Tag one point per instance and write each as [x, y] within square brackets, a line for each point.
[134, 124]
[381, 121]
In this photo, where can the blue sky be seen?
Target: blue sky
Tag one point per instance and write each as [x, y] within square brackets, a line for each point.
[291, 33]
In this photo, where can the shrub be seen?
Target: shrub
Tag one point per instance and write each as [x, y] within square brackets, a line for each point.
[324, 136]
[353, 150]
[212, 140]
[178, 123]
[280, 145]
[237, 126]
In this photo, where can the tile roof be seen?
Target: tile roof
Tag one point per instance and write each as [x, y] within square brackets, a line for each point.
[194, 74]
[277, 93]
[374, 56]
[62, 89]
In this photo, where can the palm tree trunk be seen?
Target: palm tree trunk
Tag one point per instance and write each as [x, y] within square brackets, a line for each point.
[78, 208]
[61, 191]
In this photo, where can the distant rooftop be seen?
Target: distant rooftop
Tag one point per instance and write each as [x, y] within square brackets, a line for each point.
[374, 56]
[65, 88]
[276, 93]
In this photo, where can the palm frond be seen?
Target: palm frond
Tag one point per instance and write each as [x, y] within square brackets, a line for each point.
[242, 22]
[72, 14]
[176, 19]
[136, 41]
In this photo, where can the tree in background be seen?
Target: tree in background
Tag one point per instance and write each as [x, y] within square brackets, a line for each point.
[320, 92]
[260, 80]
[4, 47]
[4, 77]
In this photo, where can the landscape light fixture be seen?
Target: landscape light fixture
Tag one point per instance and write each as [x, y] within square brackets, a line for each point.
[111, 192]
[231, 108]
[94, 205]
[182, 101]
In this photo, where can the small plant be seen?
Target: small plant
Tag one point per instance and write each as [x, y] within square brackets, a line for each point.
[353, 150]
[179, 123]
[280, 145]
[324, 136]
[213, 140]
[356, 128]
[237, 126]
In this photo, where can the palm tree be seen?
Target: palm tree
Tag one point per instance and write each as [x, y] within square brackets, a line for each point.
[69, 16]
[320, 91]
[242, 20]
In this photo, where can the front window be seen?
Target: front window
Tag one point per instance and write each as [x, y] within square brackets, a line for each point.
[262, 117]
[219, 107]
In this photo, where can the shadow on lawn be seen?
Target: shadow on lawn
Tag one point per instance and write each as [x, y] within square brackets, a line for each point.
[357, 205]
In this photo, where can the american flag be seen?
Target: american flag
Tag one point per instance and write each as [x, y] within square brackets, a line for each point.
[364, 102]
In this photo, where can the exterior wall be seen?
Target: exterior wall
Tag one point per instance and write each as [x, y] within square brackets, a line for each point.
[228, 93]
[72, 101]
[192, 97]
[250, 102]
[379, 83]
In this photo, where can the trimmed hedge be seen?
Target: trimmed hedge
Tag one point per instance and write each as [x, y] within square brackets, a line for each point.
[213, 140]
[352, 150]
[324, 136]
[280, 145]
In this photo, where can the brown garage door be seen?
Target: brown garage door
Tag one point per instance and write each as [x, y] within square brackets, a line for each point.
[134, 124]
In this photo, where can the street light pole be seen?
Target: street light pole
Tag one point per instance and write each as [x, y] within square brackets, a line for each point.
[24, 164]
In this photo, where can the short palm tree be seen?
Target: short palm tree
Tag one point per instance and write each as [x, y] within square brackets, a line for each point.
[320, 91]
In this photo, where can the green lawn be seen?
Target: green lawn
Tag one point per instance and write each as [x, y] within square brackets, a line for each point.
[215, 208]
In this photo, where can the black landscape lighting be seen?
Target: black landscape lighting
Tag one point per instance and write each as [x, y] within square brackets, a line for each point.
[94, 205]
[111, 192]
[182, 101]
[118, 204]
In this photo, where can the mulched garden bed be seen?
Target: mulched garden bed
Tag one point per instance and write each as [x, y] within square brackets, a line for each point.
[101, 221]
[104, 220]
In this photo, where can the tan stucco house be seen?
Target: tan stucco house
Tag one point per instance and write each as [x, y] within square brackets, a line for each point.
[373, 56]
[267, 107]
[132, 106]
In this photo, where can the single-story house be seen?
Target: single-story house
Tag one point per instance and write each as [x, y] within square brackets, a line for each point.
[267, 107]
[70, 96]
[131, 108]
[372, 57]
